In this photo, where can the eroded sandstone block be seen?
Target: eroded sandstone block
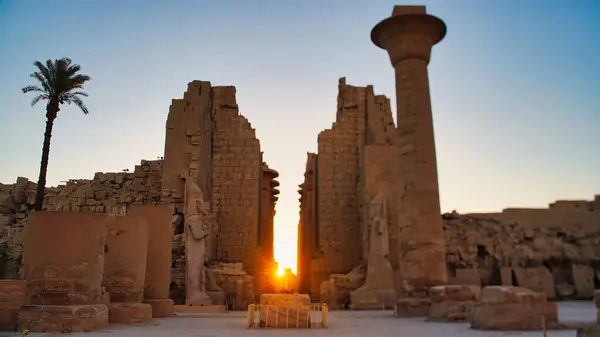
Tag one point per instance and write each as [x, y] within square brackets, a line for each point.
[285, 310]
[129, 313]
[161, 307]
[412, 307]
[453, 303]
[341, 285]
[229, 282]
[63, 318]
[158, 262]
[513, 308]
[63, 261]
[465, 276]
[13, 295]
[589, 331]
[538, 279]
[125, 260]
[583, 281]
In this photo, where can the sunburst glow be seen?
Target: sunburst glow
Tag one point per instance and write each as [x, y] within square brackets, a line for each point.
[285, 242]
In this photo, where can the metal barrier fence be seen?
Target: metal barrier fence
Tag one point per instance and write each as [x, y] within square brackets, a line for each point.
[287, 316]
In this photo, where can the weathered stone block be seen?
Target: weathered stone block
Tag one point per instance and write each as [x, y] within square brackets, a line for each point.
[412, 307]
[537, 279]
[9, 319]
[285, 299]
[125, 260]
[453, 303]
[464, 276]
[589, 331]
[63, 318]
[63, 261]
[158, 261]
[161, 307]
[13, 295]
[583, 281]
[454, 293]
[513, 308]
[129, 313]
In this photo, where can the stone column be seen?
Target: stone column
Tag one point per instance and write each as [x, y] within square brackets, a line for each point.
[158, 259]
[266, 277]
[269, 190]
[408, 36]
[125, 269]
[63, 263]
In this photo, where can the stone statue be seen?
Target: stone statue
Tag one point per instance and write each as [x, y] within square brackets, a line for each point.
[378, 290]
[198, 223]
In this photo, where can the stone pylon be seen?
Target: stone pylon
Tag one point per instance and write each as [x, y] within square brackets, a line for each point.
[408, 36]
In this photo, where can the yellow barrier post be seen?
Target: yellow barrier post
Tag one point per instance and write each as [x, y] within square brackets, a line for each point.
[250, 318]
[544, 332]
[266, 308]
[308, 316]
[325, 315]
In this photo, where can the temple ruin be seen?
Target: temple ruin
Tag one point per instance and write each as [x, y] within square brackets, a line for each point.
[196, 228]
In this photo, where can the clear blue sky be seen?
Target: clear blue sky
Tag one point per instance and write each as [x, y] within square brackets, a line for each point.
[515, 86]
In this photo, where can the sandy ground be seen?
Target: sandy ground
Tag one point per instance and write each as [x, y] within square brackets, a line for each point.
[341, 323]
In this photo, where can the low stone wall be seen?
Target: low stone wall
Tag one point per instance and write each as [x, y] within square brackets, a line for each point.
[13, 295]
[513, 308]
[563, 263]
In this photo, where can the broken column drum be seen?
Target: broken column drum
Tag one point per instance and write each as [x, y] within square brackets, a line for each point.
[63, 261]
[158, 259]
[408, 36]
[125, 261]
[125, 269]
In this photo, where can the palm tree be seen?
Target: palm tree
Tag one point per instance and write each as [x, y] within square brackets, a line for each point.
[59, 83]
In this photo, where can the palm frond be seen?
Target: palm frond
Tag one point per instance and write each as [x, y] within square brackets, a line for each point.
[73, 69]
[45, 72]
[39, 98]
[70, 98]
[80, 93]
[38, 76]
[59, 81]
[30, 88]
[78, 81]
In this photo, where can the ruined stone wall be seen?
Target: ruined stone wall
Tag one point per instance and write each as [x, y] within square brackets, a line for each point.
[106, 193]
[208, 141]
[362, 118]
[188, 144]
[580, 215]
[237, 181]
[187, 155]
[562, 261]
[338, 175]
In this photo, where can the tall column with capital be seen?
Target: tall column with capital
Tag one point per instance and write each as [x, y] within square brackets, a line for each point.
[408, 36]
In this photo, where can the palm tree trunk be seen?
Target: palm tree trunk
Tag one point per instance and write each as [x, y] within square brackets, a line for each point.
[51, 112]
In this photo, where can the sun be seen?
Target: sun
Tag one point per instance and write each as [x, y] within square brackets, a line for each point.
[280, 272]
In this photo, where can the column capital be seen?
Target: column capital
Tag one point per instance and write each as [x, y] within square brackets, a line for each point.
[408, 36]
